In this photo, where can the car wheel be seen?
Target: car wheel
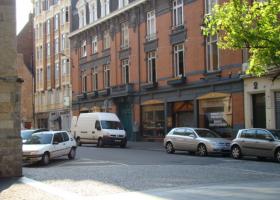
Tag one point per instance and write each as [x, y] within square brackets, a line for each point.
[277, 155]
[100, 143]
[72, 153]
[236, 152]
[78, 142]
[202, 150]
[45, 159]
[169, 148]
[123, 144]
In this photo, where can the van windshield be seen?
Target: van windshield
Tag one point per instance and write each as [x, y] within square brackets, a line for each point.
[111, 125]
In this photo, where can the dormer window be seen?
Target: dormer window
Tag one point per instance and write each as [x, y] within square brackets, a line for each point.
[123, 3]
[81, 7]
[92, 10]
[105, 7]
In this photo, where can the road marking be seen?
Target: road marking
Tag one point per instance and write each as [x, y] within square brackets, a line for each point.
[50, 190]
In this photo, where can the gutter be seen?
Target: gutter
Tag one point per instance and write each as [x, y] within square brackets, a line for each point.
[103, 19]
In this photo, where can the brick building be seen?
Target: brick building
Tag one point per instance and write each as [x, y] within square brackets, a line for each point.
[25, 72]
[148, 61]
[52, 58]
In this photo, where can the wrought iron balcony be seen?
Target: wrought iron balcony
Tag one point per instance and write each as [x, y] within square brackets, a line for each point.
[121, 90]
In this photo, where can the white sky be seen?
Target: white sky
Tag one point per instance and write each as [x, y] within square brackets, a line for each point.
[24, 7]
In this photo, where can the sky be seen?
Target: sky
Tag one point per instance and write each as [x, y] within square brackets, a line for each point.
[24, 7]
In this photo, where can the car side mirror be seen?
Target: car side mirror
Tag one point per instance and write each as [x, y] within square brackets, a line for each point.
[98, 128]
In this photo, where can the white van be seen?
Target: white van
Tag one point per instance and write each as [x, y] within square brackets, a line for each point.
[99, 128]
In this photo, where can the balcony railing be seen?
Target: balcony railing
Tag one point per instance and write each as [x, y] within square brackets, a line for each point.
[121, 90]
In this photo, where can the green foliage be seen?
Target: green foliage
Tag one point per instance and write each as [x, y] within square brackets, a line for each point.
[255, 26]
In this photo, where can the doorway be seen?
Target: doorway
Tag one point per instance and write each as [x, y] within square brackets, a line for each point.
[259, 114]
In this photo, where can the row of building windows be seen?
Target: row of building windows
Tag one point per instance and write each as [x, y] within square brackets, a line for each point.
[42, 5]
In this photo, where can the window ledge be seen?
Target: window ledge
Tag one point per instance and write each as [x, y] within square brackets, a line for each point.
[177, 80]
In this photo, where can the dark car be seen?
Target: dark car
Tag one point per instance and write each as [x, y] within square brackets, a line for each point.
[262, 143]
[27, 133]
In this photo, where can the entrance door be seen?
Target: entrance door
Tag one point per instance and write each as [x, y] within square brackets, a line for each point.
[277, 109]
[259, 115]
[125, 115]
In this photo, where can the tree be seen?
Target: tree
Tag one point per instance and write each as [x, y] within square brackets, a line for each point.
[249, 25]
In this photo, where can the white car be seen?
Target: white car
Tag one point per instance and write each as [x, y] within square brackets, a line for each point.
[44, 146]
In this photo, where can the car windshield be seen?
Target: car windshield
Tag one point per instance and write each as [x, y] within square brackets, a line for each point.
[26, 134]
[276, 134]
[206, 133]
[39, 138]
[111, 125]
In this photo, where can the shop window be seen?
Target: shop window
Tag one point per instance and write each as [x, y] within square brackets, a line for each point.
[153, 120]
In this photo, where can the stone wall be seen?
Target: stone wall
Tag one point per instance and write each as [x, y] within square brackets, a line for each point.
[10, 142]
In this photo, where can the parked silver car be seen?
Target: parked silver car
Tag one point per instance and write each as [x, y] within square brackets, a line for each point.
[200, 140]
[256, 142]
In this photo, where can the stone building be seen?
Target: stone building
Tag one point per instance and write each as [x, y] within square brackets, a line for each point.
[25, 72]
[52, 64]
[10, 141]
[148, 61]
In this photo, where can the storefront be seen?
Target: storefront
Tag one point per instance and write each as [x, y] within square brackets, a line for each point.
[215, 112]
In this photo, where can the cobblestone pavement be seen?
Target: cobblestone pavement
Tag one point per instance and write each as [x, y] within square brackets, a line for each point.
[145, 169]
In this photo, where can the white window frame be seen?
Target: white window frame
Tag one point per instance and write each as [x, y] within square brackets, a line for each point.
[151, 25]
[177, 19]
[48, 27]
[123, 3]
[63, 40]
[105, 7]
[65, 67]
[57, 74]
[151, 62]
[106, 40]
[209, 5]
[48, 73]
[56, 45]
[84, 49]
[211, 43]
[106, 76]
[94, 44]
[124, 35]
[56, 22]
[84, 83]
[177, 50]
[125, 71]
[48, 49]
[95, 79]
[93, 11]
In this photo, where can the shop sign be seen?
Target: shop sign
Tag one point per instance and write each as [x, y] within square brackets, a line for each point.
[217, 119]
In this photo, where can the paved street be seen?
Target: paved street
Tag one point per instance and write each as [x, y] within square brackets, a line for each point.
[145, 171]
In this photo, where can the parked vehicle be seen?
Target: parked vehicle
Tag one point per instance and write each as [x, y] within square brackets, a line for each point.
[44, 146]
[195, 140]
[257, 142]
[99, 128]
[26, 134]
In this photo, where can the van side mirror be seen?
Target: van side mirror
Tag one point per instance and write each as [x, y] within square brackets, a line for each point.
[98, 128]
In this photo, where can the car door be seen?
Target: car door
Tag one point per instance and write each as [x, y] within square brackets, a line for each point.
[264, 144]
[66, 143]
[178, 138]
[58, 147]
[247, 141]
[188, 140]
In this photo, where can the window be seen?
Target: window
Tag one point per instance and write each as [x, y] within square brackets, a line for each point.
[95, 79]
[56, 22]
[152, 67]
[65, 67]
[124, 36]
[263, 135]
[123, 3]
[250, 134]
[48, 73]
[84, 83]
[178, 13]
[63, 38]
[82, 18]
[151, 25]
[97, 125]
[65, 137]
[47, 4]
[212, 53]
[48, 26]
[57, 73]
[84, 49]
[125, 71]
[64, 15]
[106, 40]
[93, 11]
[105, 7]
[48, 49]
[56, 46]
[94, 44]
[179, 60]
[57, 138]
[106, 76]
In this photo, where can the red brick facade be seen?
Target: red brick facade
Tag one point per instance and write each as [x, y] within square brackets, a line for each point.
[166, 100]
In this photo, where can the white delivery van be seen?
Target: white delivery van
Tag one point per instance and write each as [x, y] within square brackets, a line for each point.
[99, 128]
